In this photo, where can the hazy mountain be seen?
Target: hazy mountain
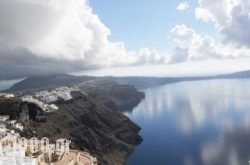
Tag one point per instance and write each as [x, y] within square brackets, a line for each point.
[242, 74]
[48, 81]
[52, 81]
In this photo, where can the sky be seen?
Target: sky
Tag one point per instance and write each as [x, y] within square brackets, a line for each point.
[115, 37]
[146, 23]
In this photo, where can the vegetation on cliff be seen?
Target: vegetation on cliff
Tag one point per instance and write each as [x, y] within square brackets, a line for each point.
[92, 120]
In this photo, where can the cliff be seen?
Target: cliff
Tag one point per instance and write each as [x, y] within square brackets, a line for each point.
[92, 127]
[114, 96]
[18, 110]
[91, 120]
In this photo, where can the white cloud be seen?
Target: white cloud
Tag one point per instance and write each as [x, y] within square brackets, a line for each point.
[183, 6]
[230, 17]
[147, 56]
[217, 12]
[58, 29]
[193, 46]
[60, 35]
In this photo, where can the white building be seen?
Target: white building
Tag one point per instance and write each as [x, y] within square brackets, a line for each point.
[44, 106]
[2, 127]
[19, 126]
[12, 122]
[53, 106]
[54, 95]
[4, 118]
[15, 156]
[6, 95]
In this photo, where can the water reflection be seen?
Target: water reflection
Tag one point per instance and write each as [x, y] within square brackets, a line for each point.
[232, 149]
[209, 120]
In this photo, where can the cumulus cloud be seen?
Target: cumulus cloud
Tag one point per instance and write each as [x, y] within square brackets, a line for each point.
[147, 56]
[193, 46]
[58, 29]
[231, 19]
[59, 35]
[183, 6]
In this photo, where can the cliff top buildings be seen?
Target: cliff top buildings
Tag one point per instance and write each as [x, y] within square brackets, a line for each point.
[16, 150]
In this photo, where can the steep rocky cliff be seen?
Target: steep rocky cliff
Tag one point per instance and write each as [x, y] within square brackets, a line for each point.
[91, 120]
[107, 134]
[114, 96]
[19, 110]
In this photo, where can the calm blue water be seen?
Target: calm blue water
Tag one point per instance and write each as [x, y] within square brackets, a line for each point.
[194, 123]
[6, 84]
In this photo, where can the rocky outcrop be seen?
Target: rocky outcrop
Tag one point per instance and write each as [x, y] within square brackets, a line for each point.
[24, 113]
[18, 110]
[112, 95]
[93, 127]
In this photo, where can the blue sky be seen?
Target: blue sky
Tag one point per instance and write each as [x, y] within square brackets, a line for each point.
[147, 23]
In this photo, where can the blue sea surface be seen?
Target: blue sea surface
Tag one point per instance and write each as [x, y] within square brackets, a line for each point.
[6, 84]
[194, 123]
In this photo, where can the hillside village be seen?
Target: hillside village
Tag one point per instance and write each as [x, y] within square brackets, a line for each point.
[26, 154]
[11, 154]
[46, 99]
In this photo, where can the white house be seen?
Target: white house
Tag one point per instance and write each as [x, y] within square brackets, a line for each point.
[4, 118]
[6, 95]
[19, 126]
[12, 122]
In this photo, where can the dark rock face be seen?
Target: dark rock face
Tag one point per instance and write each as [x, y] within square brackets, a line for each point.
[11, 107]
[114, 96]
[93, 127]
[18, 110]
[24, 113]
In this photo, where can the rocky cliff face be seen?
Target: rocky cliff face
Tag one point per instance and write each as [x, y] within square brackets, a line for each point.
[91, 120]
[114, 96]
[19, 110]
[93, 127]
